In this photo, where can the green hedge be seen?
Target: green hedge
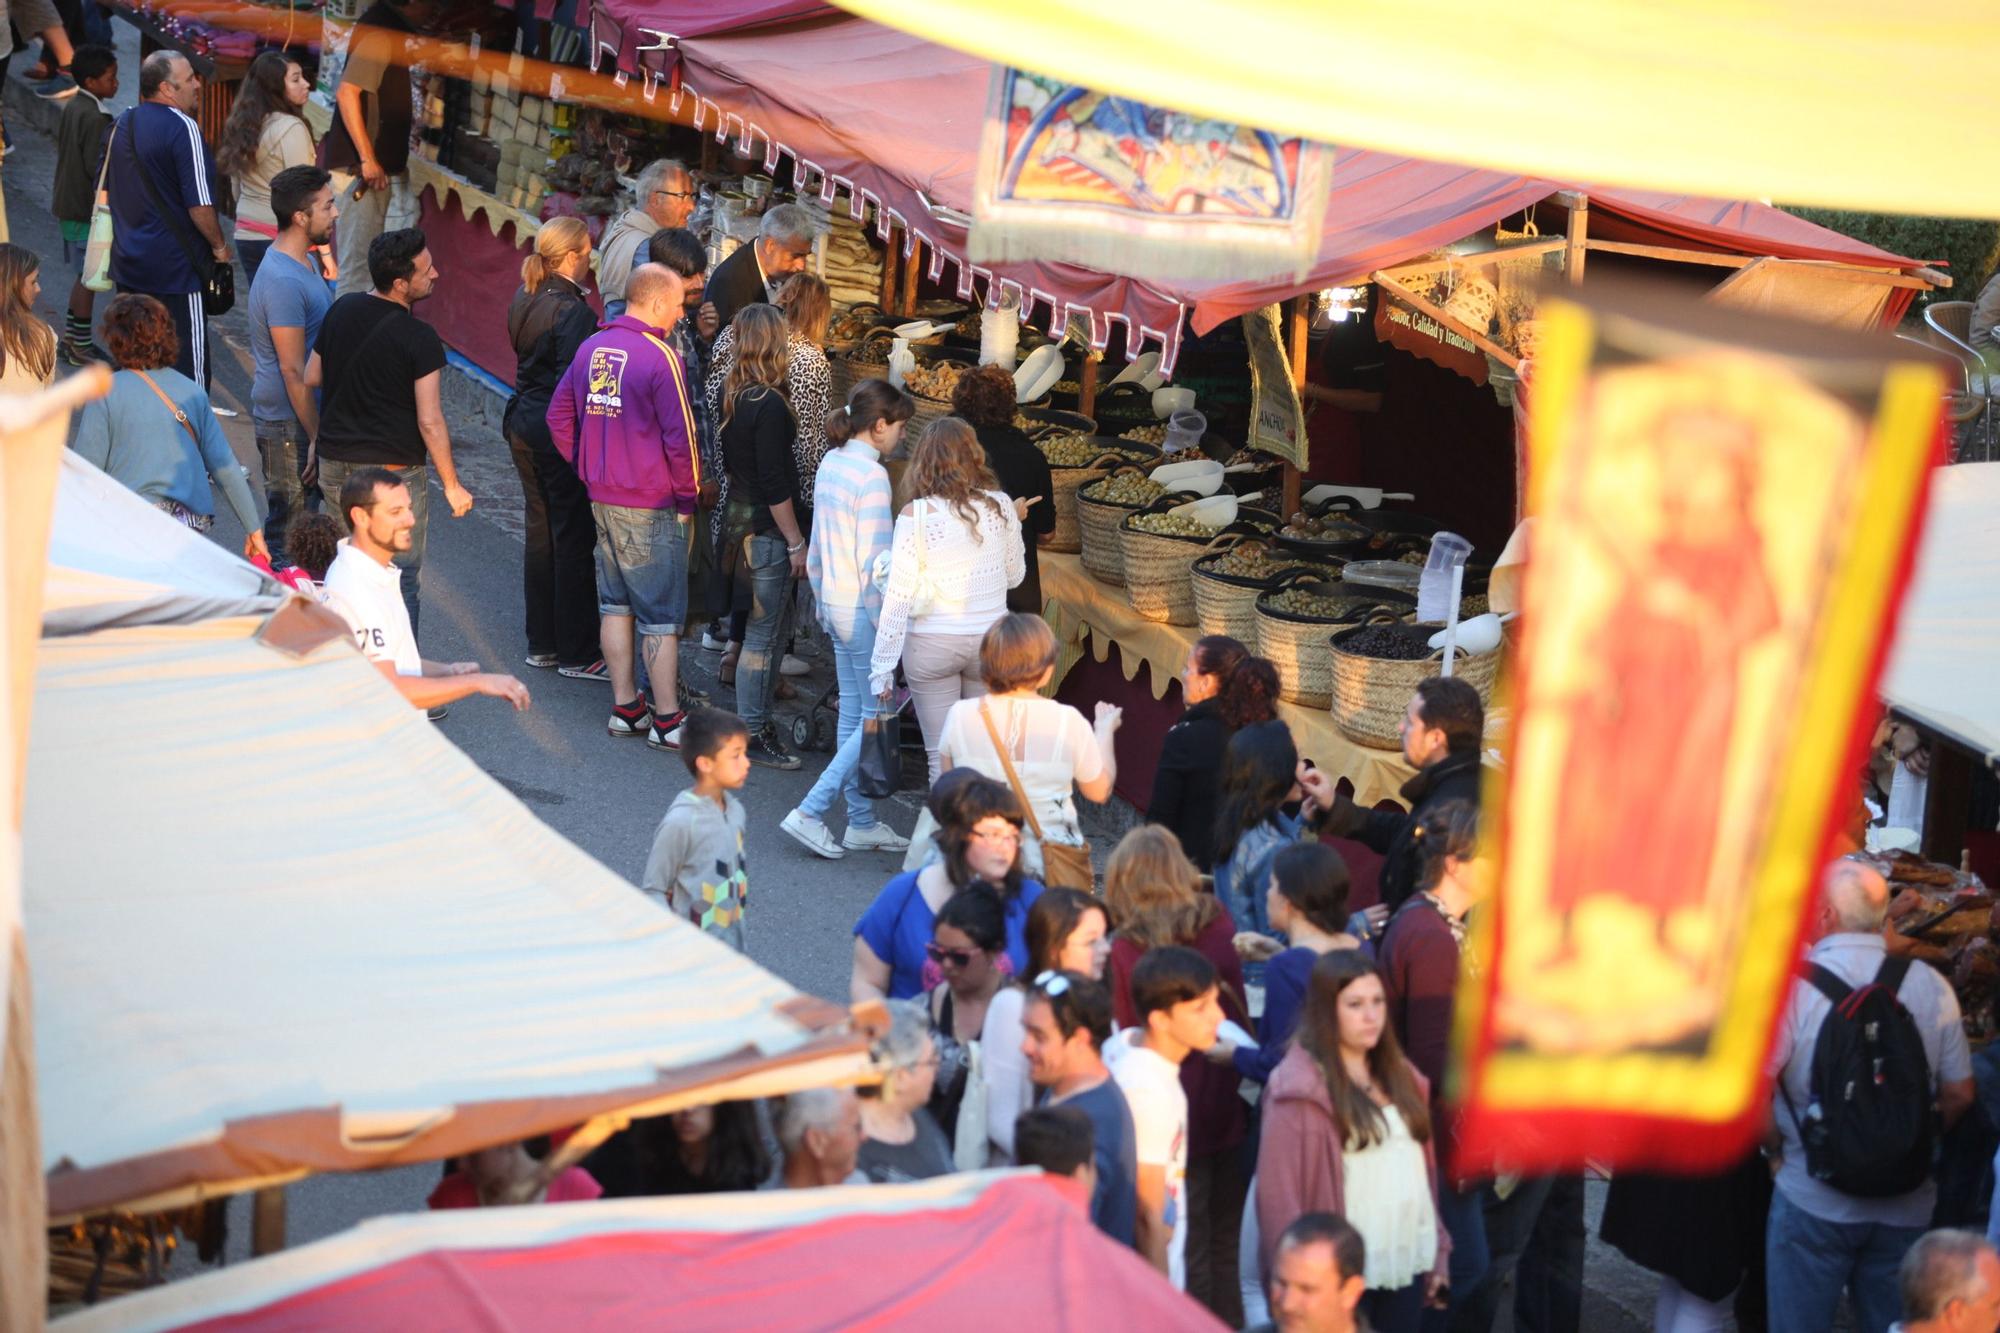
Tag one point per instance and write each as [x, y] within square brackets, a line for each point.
[1968, 248]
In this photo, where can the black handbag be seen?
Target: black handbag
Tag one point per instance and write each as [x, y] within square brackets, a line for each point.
[879, 772]
[218, 278]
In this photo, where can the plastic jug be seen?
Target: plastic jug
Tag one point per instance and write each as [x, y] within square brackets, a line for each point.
[1184, 431]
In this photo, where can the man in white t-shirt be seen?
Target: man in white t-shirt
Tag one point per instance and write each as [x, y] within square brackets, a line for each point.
[366, 587]
[1175, 993]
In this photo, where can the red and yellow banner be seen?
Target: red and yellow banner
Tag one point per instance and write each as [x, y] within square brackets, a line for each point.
[1725, 512]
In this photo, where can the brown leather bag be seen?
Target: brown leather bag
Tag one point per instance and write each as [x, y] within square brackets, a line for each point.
[1063, 866]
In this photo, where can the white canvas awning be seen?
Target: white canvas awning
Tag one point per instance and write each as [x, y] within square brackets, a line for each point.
[381, 957]
[1940, 672]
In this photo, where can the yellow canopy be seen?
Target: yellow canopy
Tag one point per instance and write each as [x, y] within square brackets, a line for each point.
[1839, 103]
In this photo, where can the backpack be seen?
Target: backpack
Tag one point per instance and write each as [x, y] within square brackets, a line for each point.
[1871, 1124]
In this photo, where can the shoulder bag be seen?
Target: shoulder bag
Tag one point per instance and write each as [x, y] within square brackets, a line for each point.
[173, 407]
[96, 274]
[218, 277]
[1063, 866]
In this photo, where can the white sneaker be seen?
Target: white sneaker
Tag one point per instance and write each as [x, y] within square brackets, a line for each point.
[712, 644]
[794, 666]
[813, 834]
[875, 838]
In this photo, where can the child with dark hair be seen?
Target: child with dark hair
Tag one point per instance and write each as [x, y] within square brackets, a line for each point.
[1061, 1141]
[312, 541]
[696, 866]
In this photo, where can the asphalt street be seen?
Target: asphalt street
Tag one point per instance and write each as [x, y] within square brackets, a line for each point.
[605, 795]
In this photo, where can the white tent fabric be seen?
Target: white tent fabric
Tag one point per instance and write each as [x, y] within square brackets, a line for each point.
[116, 560]
[1948, 636]
[383, 958]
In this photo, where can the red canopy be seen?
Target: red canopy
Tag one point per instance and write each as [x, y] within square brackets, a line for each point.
[977, 1251]
[875, 112]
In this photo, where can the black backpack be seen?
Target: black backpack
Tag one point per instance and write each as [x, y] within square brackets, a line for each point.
[1871, 1125]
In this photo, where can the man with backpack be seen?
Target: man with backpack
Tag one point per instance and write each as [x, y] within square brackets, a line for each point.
[1872, 1067]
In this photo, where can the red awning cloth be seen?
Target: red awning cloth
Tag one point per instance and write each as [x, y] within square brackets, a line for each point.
[1734, 225]
[641, 35]
[963, 1251]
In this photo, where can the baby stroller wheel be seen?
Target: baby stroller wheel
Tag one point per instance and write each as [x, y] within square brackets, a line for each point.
[802, 733]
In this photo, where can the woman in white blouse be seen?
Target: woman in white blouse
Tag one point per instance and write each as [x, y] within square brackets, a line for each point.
[1054, 751]
[956, 552]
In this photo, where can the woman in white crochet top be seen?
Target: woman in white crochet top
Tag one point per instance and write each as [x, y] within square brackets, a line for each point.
[956, 552]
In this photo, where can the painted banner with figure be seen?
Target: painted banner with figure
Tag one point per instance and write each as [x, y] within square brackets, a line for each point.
[1070, 175]
[1725, 511]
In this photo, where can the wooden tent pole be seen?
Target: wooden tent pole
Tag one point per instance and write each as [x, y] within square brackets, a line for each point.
[888, 301]
[912, 266]
[1577, 242]
[1086, 397]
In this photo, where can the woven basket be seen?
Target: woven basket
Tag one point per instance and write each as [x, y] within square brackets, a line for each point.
[1097, 536]
[1064, 482]
[1227, 603]
[1297, 645]
[1158, 582]
[868, 360]
[1370, 695]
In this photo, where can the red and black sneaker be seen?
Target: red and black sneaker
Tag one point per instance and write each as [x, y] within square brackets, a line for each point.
[666, 731]
[629, 720]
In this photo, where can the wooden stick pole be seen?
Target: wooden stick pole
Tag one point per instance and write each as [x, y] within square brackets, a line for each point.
[1578, 238]
[267, 1220]
[1087, 384]
[912, 267]
[888, 301]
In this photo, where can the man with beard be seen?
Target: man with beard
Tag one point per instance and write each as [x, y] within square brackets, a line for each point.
[364, 587]
[288, 301]
[1065, 1023]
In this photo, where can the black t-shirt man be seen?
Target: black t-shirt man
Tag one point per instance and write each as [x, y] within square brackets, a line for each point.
[372, 353]
[378, 63]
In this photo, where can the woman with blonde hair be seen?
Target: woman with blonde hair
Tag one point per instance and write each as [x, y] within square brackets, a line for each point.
[765, 542]
[549, 319]
[1043, 749]
[808, 308]
[27, 344]
[1160, 901]
[955, 553]
[265, 133]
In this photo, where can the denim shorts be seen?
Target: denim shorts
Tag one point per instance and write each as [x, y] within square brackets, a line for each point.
[642, 566]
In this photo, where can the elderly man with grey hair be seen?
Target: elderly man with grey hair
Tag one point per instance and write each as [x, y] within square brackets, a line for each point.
[1822, 1240]
[784, 243]
[1951, 1284]
[664, 198]
[819, 1131]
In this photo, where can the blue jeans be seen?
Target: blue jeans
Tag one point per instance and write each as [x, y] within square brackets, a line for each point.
[332, 473]
[770, 567]
[1808, 1261]
[1462, 1215]
[282, 447]
[850, 664]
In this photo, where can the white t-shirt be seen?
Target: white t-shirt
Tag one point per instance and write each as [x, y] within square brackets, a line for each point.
[1152, 1089]
[1052, 747]
[369, 598]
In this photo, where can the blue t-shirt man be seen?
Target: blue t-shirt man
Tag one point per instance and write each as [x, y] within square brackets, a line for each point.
[286, 295]
[1115, 1205]
[157, 150]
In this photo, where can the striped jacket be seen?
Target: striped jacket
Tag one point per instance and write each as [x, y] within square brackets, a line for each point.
[852, 528]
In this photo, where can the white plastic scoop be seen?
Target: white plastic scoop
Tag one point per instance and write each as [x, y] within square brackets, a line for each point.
[1476, 636]
[1201, 475]
[1217, 511]
[1368, 497]
[917, 330]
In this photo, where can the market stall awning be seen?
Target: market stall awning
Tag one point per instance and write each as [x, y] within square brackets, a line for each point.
[1948, 636]
[279, 925]
[1808, 103]
[964, 1251]
[900, 128]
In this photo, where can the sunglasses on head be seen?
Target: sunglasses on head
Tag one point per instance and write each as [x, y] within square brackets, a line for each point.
[956, 957]
[1052, 984]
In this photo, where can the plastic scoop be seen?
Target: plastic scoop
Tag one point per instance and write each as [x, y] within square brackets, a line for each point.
[1217, 511]
[1201, 475]
[917, 330]
[1477, 636]
[1368, 497]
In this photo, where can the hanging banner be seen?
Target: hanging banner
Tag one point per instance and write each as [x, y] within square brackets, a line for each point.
[1069, 175]
[1725, 509]
[1277, 417]
[1405, 326]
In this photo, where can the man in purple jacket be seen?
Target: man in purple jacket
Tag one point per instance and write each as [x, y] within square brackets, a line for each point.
[621, 417]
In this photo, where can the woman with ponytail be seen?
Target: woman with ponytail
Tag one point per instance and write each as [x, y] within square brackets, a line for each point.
[1225, 688]
[855, 520]
[548, 321]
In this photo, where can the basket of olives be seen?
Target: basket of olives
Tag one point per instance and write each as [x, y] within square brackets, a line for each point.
[1122, 406]
[1226, 584]
[1075, 461]
[1293, 615]
[1377, 667]
[1100, 506]
[1159, 548]
[1039, 422]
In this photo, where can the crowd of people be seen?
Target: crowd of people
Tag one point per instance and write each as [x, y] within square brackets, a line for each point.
[1235, 1070]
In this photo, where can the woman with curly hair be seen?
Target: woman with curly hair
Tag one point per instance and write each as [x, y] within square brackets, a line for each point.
[155, 430]
[265, 133]
[985, 398]
[956, 551]
[1225, 689]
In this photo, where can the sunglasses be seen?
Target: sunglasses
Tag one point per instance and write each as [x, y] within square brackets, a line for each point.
[1052, 984]
[955, 957]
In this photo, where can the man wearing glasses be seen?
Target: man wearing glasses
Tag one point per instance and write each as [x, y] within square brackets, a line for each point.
[666, 196]
[1065, 1024]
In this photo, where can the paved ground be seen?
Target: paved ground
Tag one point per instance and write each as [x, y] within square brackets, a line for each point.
[604, 795]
